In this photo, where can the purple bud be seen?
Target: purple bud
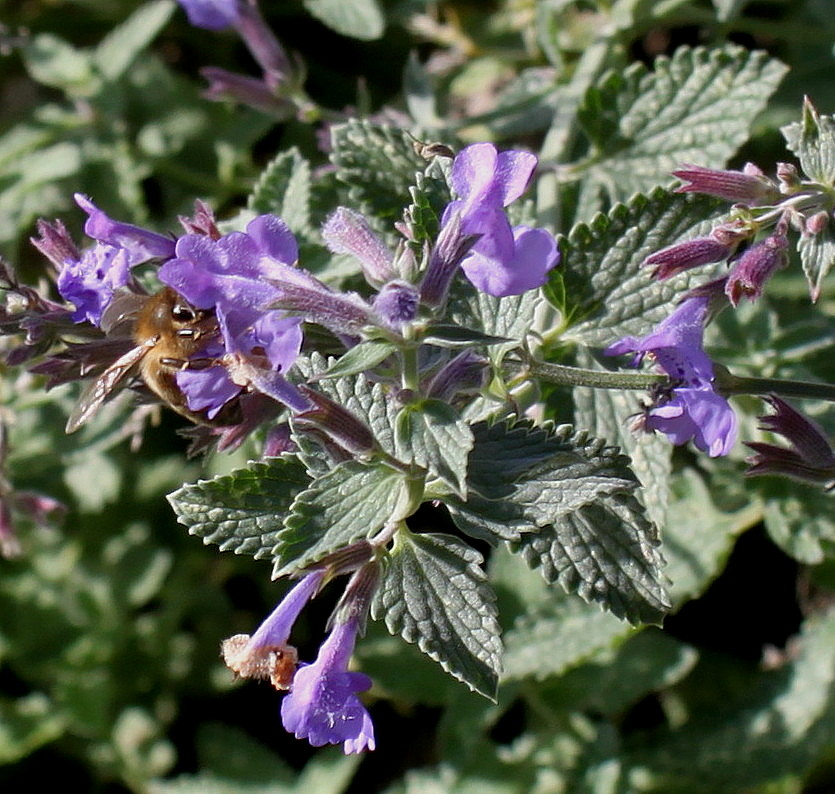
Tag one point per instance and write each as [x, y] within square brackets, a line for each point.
[55, 243]
[811, 457]
[464, 373]
[337, 423]
[249, 91]
[262, 43]
[397, 304]
[816, 223]
[348, 232]
[202, 222]
[755, 267]
[749, 186]
[683, 256]
[341, 312]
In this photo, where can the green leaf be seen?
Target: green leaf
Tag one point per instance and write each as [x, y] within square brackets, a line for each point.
[608, 293]
[244, 511]
[782, 728]
[558, 635]
[522, 477]
[361, 357]
[433, 435]
[359, 19]
[283, 189]
[27, 723]
[350, 502]
[606, 552]
[378, 164]
[123, 44]
[435, 594]
[817, 255]
[696, 107]
[456, 336]
[56, 63]
[799, 520]
[813, 141]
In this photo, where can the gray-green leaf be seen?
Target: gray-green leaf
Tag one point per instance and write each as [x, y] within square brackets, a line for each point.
[434, 593]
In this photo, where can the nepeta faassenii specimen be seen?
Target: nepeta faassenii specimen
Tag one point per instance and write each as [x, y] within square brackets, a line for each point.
[368, 404]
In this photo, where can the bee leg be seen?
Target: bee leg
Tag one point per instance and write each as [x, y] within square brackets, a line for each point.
[182, 364]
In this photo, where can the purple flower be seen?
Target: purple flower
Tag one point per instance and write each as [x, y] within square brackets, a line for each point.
[683, 256]
[504, 260]
[139, 244]
[90, 282]
[238, 275]
[691, 408]
[211, 14]
[348, 232]
[322, 705]
[266, 654]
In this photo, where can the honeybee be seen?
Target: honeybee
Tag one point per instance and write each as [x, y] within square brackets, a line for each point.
[167, 330]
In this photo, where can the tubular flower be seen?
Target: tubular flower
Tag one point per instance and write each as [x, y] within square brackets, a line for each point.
[504, 260]
[236, 276]
[211, 14]
[266, 654]
[691, 408]
[323, 706]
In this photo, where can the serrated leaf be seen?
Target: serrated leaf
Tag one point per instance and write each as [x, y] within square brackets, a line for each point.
[433, 435]
[521, 477]
[378, 163]
[283, 189]
[244, 511]
[608, 292]
[813, 141]
[359, 19]
[360, 358]
[606, 552]
[118, 50]
[696, 107]
[350, 502]
[435, 594]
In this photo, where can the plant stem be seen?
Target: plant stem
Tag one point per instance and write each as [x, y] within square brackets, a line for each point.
[731, 384]
[597, 379]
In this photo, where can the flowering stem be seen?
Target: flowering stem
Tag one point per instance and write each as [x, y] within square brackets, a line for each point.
[731, 384]
[596, 379]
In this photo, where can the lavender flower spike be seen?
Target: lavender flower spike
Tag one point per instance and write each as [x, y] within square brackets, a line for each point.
[266, 653]
[691, 408]
[323, 706]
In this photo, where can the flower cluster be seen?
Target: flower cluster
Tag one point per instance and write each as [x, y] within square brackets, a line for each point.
[754, 242]
[322, 704]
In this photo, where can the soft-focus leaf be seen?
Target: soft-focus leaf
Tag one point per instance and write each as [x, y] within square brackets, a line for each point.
[360, 19]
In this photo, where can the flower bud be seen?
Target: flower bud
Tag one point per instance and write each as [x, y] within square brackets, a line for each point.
[397, 304]
[689, 254]
[755, 267]
[749, 186]
[348, 232]
[337, 423]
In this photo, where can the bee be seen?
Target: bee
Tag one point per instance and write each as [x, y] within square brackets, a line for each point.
[167, 331]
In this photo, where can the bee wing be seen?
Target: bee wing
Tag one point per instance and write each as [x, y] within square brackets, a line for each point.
[98, 391]
[119, 315]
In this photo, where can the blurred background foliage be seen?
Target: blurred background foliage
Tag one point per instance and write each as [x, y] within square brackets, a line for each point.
[110, 622]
